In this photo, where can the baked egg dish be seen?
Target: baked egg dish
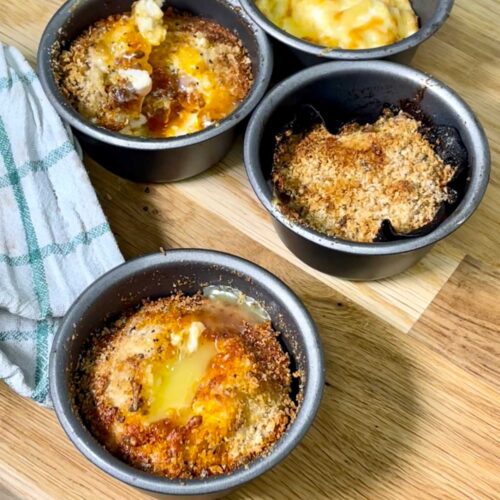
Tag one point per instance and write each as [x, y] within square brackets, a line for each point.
[352, 183]
[187, 386]
[155, 73]
[343, 24]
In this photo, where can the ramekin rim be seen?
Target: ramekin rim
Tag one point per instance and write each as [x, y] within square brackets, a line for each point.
[473, 196]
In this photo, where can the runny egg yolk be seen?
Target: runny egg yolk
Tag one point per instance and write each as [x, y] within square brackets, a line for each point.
[171, 385]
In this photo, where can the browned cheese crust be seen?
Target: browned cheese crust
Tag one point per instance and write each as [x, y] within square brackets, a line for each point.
[200, 73]
[346, 184]
[241, 407]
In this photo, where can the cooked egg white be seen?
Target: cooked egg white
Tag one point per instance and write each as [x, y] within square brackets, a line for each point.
[138, 79]
[346, 24]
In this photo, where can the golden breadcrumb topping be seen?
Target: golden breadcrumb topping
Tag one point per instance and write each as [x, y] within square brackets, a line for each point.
[346, 184]
[186, 387]
[151, 73]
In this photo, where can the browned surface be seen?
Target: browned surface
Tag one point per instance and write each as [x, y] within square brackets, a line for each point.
[239, 410]
[175, 66]
[347, 184]
[401, 416]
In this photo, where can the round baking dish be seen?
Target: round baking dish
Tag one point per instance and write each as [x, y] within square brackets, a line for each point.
[360, 90]
[159, 275]
[145, 159]
[432, 15]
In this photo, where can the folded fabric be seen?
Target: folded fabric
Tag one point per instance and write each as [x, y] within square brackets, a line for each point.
[54, 237]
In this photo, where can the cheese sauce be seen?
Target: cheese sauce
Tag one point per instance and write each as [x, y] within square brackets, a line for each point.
[345, 24]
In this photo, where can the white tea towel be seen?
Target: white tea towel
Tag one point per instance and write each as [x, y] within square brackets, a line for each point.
[54, 238]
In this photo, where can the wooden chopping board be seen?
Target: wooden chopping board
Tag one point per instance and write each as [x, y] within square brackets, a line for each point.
[412, 402]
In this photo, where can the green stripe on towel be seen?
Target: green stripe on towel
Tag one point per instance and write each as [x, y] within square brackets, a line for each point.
[62, 249]
[52, 158]
[44, 329]
[39, 279]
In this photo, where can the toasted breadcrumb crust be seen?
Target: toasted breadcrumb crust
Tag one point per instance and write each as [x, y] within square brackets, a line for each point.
[96, 90]
[241, 407]
[345, 185]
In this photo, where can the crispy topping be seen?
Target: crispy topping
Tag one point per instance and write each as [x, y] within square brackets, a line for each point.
[155, 74]
[345, 185]
[186, 387]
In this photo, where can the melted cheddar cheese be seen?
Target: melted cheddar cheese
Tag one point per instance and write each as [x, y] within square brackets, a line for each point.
[345, 24]
[186, 387]
[155, 74]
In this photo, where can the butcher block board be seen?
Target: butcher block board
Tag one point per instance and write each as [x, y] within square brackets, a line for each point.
[412, 405]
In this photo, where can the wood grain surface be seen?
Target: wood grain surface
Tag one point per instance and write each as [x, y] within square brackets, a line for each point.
[412, 404]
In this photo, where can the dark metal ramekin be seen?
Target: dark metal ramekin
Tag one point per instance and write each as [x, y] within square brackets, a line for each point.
[432, 15]
[144, 159]
[161, 275]
[360, 90]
